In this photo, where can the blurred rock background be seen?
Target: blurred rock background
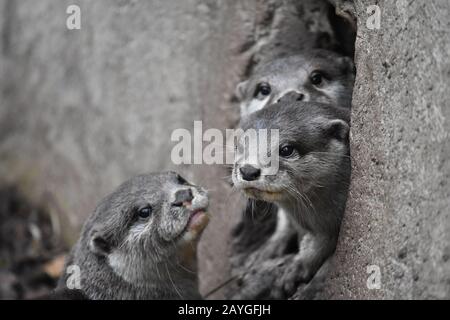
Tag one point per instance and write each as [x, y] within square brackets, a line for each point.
[83, 110]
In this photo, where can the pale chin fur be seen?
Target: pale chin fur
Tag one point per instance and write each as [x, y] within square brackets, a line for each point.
[259, 190]
[192, 233]
[273, 197]
[133, 273]
[253, 106]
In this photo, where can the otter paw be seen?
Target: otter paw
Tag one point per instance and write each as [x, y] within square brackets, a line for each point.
[295, 274]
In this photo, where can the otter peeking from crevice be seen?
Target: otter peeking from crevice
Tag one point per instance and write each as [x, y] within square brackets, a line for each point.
[310, 186]
[140, 242]
[314, 75]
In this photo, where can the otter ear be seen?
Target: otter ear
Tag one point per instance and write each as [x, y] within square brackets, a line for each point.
[338, 129]
[241, 89]
[99, 244]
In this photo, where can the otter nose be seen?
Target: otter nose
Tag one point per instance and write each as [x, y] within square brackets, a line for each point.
[250, 173]
[182, 196]
[291, 96]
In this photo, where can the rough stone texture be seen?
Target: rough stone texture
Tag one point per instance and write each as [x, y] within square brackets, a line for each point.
[398, 214]
[82, 111]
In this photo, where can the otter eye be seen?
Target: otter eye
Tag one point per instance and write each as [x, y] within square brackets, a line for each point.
[145, 212]
[263, 88]
[286, 151]
[316, 78]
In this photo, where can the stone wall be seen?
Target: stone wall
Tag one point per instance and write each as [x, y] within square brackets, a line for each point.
[82, 110]
[398, 213]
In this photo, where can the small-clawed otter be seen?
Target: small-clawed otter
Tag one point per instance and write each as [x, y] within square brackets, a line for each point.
[316, 75]
[140, 242]
[313, 75]
[312, 181]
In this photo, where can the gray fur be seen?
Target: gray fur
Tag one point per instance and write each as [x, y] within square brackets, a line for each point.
[293, 73]
[139, 258]
[311, 186]
[288, 77]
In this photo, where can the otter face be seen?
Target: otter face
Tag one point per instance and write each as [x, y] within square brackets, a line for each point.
[146, 220]
[313, 145]
[318, 75]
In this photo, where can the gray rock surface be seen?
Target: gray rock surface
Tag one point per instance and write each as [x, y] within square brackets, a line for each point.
[398, 212]
[81, 111]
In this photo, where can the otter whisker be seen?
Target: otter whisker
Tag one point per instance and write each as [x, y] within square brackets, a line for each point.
[157, 271]
[173, 284]
[177, 261]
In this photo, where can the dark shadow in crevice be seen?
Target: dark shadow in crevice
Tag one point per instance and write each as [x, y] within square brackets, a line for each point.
[344, 31]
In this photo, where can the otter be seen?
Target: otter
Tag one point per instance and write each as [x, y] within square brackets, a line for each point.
[315, 75]
[140, 242]
[311, 185]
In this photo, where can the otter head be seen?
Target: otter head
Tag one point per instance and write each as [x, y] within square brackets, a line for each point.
[312, 149]
[147, 221]
[316, 75]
